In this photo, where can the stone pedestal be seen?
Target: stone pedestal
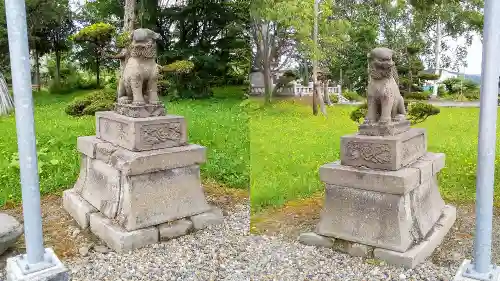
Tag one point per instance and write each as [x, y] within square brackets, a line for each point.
[382, 197]
[137, 175]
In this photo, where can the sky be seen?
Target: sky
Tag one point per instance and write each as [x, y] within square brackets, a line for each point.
[474, 57]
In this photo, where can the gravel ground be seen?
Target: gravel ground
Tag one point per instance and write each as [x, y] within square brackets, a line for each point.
[229, 252]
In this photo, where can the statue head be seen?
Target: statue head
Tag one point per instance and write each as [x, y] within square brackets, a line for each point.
[143, 35]
[380, 61]
[143, 43]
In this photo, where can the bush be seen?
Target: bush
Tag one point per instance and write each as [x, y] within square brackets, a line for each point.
[352, 96]
[101, 100]
[417, 112]
[67, 85]
[428, 76]
[334, 98]
[359, 113]
[472, 94]
[417, 96]
[179, 81]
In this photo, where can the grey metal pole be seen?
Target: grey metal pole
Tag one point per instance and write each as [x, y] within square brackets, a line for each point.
[25, 125]
[487, 138]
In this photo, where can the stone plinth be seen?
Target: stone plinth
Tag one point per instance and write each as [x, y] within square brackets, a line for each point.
[383, 152]
[136, 175]
[140, 111]
[382, 200]
[388, 210]
[391, 129]
[141, 134]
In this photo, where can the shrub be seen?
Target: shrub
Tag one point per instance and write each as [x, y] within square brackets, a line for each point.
[359, 113]
[352, 96]
[417, 112]
[472, 94]
[428, 76]
[101, 100]
[179, 81]
[334, 98]
[417, 96]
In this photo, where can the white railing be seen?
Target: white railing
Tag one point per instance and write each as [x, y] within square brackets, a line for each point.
[299, 91]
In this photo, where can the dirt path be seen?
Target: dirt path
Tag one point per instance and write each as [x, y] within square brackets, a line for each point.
[63, 234]
[303, 215]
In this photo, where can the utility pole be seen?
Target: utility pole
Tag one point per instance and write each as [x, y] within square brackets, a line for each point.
[38, 263]
[481, 267]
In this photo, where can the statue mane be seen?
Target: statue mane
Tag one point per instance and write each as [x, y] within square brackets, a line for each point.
[141, 50]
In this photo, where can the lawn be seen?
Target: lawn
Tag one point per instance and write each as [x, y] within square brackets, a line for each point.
[288, 145]
[219, 124]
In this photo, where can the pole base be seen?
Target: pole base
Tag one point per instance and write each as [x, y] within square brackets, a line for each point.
[466, 272]
[50, 269]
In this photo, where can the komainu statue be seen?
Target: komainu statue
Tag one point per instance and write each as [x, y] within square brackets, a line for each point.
[385, 103]
[138, 84]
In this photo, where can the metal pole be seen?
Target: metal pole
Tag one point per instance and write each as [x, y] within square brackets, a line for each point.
[487, 138]
[25, 125]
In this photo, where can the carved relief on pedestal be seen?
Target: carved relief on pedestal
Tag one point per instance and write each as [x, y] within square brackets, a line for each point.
[113, 128]
[159, 133]
[378, 153]
[413, 146]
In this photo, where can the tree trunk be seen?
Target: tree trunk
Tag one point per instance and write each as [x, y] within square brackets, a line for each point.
[267, 82]
[37, 70]
[97, 62]
[128, 26]
[129, 16]
[326, 94]
[58, 68]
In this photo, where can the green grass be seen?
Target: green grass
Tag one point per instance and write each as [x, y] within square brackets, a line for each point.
[289, 144]
[219, 124]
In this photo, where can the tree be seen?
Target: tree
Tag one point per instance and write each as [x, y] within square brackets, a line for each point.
[58, 31]
[349, 64]
[318, 37]
[272, 40]
[442, 20]
[96, 38]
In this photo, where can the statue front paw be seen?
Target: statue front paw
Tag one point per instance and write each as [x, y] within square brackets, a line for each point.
[124, 100]
[399, 118]
[384, 121]
[368, 121]
[138, 103]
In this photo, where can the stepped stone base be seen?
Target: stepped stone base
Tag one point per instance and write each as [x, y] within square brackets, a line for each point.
[139, 182]
[385, 209]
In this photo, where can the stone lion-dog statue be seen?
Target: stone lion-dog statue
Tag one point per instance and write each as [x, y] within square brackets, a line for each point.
[385, 103]
[138, 83]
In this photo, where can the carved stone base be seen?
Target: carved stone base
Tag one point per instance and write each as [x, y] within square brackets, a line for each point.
[391, 129]
[140, 111]
[141, 134]
[384, 153]
[388, 210]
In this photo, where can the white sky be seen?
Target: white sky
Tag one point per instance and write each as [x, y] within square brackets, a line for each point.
[474, 57]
